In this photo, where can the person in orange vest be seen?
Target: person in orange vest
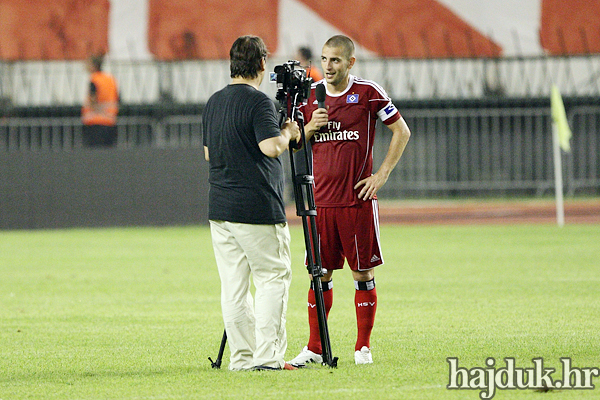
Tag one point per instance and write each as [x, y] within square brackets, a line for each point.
[99, 112]
[304, 55]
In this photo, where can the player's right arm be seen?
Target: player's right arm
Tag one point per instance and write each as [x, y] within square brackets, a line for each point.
[319, 119]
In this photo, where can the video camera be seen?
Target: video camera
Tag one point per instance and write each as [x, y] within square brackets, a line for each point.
[292, 82]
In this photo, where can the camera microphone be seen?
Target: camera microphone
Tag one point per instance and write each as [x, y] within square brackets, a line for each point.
[320, 95]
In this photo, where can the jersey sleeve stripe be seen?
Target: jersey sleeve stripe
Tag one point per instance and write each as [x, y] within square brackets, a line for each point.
[373, 84]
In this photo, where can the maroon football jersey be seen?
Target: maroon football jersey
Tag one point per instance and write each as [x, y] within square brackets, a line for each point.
[343, 149]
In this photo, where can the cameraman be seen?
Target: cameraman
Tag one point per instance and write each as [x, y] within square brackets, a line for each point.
[242, 142]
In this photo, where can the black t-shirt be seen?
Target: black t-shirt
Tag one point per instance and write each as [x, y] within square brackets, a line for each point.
[246, 186]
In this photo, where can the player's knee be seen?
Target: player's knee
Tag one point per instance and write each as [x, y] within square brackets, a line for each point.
[363, 276]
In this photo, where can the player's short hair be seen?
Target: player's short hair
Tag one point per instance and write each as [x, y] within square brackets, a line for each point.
[342, 41]
[246, 55]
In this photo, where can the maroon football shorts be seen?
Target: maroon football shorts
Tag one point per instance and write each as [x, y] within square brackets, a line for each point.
[350, 233]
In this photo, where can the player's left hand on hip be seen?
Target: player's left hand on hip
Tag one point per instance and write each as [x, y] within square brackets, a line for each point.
[370, 186]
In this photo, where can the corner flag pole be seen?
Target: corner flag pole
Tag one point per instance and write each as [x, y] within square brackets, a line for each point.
[558, 179]
[561, 134]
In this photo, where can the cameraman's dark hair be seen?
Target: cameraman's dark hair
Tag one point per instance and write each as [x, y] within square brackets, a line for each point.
[246, 55]
[342, 41]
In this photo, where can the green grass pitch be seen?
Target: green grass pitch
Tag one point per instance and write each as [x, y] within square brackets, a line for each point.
[134, 313]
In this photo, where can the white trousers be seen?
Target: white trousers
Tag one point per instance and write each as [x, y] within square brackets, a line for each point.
[255, 327]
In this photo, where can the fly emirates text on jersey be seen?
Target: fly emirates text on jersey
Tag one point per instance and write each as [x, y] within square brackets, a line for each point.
[334, 132]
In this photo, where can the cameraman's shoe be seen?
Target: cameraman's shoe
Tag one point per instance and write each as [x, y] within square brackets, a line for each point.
[306, 356]
[286, 366]
[363, 356]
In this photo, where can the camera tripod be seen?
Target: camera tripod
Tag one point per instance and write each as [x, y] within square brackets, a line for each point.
[302, 178]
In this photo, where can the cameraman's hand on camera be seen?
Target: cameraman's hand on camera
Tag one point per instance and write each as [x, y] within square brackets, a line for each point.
[275, 146]
[319, 119]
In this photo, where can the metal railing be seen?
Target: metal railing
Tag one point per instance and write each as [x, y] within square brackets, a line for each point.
[65, 134]
[583, 163]
[40, 134]
[451, 151]
[479, 151]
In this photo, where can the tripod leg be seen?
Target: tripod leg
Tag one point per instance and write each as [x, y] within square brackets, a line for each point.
[328, 358]
[314, 266]
[217, 364]
[306, 208]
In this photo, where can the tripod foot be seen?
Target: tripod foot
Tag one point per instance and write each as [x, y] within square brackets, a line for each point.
[215, 364]
[332, 364]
